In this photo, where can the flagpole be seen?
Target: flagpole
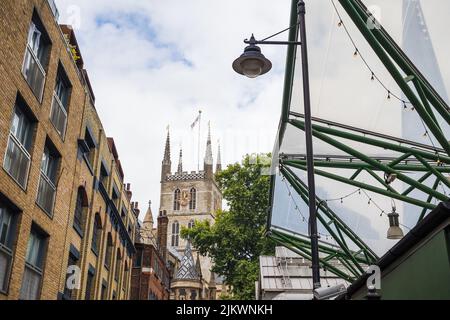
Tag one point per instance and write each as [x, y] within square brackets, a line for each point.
[199, 137]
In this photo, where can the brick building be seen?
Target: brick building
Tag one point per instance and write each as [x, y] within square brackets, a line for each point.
[66, 218]
[150, 276]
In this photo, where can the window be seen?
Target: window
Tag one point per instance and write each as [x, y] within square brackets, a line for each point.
[7, 236]
[191, 224]
[109, 248]
[125, 277]
[80, 210]
[92, 145]
[175, 234]
[68, 290]
[104, 175]
[89, 284]
[193, 295]
[117, 269]
[193, 199]
[36, 57]
[34, 265]
[47, 183]
[137, 261]
[115, 195]
[60, 103]
[176, 200]
[17, 158]
[96, 233]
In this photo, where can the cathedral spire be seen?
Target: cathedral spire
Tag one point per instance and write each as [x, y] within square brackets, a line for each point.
[166, 159]
[166, 163]
[180, 162]
[208, 153]
[219, 159]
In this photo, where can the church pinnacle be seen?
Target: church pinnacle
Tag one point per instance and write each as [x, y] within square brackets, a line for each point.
[166, 159]
[180, 162]
[219, 159]
[208, 153]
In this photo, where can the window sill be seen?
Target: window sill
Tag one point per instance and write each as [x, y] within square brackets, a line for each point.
[94, 251]
[50, 215]
[78, 230]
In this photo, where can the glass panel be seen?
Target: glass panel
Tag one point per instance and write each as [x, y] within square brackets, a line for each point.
[46, 194]
[30, 285]
[58, 116]
[5, 225]
[17, 161]
[5, 260]
[35, 250]
[34, 73]
[49, 165]
[62, 92]
[21, 128]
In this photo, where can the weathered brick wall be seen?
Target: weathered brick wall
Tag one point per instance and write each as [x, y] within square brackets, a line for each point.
[15, 19]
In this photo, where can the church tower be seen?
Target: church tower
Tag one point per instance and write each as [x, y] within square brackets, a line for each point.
[187, 197]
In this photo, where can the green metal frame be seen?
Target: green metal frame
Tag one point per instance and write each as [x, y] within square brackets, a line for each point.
[353, 253]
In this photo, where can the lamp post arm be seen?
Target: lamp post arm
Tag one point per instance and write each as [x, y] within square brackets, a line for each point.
[298, 43]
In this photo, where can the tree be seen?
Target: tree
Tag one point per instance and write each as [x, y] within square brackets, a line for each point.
[237, 238]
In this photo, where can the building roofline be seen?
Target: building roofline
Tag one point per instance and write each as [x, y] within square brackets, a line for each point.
[435, 218]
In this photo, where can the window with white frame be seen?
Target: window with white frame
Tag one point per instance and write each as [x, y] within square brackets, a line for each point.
[36, 57]
[18, 153]
[34, 266]
[47, 182]
[60, 103]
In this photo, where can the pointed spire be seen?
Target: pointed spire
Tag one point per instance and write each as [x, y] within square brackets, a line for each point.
[208, 153]
[219, 159]
[149, 216]
[167, 149]
[198, 265]
[187, 269]
[180, 162]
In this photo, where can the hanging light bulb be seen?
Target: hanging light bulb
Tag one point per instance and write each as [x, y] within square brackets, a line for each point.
[404, 105]
[389, 95]
[356, 53]
[425, 134]
[340, 23]
[394, 232]
[373, 76]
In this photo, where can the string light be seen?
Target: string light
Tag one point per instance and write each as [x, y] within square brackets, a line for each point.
[390, 94]
[373, 77]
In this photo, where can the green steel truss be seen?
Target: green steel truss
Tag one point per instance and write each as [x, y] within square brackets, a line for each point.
[432, 162]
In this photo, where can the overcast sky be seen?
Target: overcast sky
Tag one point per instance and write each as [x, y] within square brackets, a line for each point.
[155, 63]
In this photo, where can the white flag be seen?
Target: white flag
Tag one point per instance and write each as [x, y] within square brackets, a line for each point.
[197, 120]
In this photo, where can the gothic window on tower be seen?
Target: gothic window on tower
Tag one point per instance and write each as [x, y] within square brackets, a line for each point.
[176, 200]
[193, 199]
[175, 234]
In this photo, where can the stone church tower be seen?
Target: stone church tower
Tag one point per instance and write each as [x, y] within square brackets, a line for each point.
[187, 197]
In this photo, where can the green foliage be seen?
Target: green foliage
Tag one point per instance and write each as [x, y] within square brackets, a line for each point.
[237, 238]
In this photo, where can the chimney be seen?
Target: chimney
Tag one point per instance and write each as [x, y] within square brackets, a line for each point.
[163, 222]
[136, 209]
[128, 191]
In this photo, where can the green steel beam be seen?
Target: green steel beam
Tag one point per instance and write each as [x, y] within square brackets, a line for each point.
[352, 10]
[366, 187]
[433, 156]
[421, 180]
[402, 60]
[371, 161]
[361, 165]
[341, 242]
[340, 225]
[295, 245]
[433, 170]
[424, 211]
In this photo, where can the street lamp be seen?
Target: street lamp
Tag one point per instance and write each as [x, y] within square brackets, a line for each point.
[252, 64]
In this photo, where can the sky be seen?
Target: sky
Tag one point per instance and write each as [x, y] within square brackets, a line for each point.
[156, 63]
